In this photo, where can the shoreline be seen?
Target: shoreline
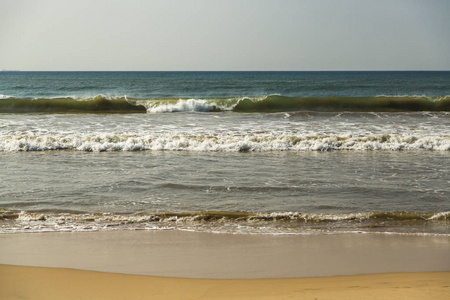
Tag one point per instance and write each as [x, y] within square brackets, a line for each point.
[173, 253]
[171, 264]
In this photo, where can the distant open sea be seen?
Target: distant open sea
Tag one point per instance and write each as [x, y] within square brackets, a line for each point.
[226, 152]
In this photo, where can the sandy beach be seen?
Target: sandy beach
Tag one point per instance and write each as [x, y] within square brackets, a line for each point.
[193, 265]
[47, 283]
[248, 150]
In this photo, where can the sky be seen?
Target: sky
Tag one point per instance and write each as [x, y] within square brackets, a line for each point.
[219, 35]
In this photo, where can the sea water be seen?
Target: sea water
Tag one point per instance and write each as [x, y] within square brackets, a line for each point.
[238, 152]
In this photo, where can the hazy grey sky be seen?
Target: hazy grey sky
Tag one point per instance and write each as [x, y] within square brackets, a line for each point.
[225, 35]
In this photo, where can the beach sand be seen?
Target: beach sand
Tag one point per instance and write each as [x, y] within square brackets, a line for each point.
[190, 265]
[48, 283]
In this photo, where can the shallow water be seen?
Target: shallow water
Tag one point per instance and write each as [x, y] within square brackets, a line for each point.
[137, 190]
[190, 161]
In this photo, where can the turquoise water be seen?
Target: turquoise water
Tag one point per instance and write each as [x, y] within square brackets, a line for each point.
[241, 152]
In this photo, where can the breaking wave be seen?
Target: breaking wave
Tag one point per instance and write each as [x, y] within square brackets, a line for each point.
[217, 221]
[339, 104]
[271, 103]
[189, 105]
[98, 142]
[277, 103]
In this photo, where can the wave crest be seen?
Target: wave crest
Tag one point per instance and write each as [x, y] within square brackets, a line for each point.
[223, 221]
[96, 104]
[271, 103]
[276, 103]
[189, 105]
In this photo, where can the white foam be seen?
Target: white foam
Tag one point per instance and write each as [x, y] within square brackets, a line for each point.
[189, 105]
[99, 142]
[259, 223]
[441, 216]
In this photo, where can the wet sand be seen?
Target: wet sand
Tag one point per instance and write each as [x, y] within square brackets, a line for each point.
[187, 265]
[206, 255]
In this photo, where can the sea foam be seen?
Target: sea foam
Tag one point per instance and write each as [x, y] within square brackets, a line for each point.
[226, 142]
[230, 222]
[189, 105]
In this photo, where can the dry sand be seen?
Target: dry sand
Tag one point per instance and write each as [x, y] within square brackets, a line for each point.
[192, 265]
[36, 283]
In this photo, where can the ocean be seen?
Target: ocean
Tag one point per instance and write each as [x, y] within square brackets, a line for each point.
[226, 152]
